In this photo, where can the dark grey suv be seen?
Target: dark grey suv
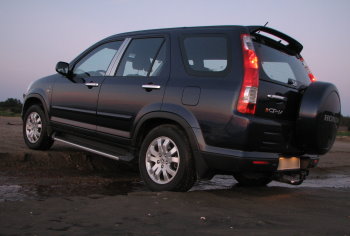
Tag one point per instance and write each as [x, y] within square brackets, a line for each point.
[189, 103]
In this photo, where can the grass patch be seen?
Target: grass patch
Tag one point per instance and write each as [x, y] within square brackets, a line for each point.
[343, 133]
[9, 113]
[11, 107]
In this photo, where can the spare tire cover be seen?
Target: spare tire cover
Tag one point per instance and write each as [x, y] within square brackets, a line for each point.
[319, 116]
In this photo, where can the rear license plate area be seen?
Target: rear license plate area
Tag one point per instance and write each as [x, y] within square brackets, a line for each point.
[288, 163]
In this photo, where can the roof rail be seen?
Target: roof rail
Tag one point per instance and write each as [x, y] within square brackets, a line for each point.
[293, 46]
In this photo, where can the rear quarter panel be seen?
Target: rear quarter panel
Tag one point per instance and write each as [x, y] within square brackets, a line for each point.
[218, 95]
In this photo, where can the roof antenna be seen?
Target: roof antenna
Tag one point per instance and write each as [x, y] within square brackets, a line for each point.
[263, 26]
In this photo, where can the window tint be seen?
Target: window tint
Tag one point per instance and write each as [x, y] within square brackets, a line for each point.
[140, 58]
[279, 66]
[159, 62]
[205, 53]
[97, 61]
[280, 71]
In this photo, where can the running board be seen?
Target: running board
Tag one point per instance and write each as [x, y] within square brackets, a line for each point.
[111, 156]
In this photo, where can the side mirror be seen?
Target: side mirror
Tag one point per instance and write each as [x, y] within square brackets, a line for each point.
[62, 68]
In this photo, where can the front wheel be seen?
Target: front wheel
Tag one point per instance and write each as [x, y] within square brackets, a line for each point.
[165, 161]
[35, 129]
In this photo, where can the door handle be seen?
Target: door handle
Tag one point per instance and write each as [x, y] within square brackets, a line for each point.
[151, 86]
[91, 84]
[277, 97]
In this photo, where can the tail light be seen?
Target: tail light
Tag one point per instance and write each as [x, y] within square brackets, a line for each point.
[307, 68]
[249, 90]
[261, 162]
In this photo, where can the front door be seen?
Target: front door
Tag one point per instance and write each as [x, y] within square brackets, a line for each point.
[74, 99]
[137, 87]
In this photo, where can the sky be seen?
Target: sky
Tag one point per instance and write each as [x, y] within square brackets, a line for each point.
[36, 34]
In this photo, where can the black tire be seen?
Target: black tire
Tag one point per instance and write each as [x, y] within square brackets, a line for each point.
[181, 161]
[41, 141]
[253, 179]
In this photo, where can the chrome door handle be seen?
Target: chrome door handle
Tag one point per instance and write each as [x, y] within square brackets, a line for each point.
[277, 97]
[91, 84]
[151, 86]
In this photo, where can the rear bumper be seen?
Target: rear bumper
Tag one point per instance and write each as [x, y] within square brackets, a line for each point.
[240, 161]
[211, 160]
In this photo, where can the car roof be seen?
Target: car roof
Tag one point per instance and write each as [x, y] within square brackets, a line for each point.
[158, 31]
[176, 29]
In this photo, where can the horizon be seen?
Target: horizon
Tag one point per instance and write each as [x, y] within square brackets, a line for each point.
[38, 34]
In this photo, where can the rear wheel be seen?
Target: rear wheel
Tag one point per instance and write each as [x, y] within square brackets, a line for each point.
[165, 161]
[253, 179]
[35, 129]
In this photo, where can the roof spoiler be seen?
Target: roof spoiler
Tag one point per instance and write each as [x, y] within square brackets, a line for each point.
[293, 46]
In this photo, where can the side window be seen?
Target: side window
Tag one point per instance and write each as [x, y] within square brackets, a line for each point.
[159, 62]
[205, 54]
[97, 61]
[144, 57]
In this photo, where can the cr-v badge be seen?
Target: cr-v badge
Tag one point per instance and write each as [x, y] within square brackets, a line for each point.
[273, 111]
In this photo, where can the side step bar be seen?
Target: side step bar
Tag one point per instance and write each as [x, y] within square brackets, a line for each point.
[111, 156]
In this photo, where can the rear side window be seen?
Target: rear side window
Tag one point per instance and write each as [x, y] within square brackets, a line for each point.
[205, 54]
[279, 66]
[143, 58]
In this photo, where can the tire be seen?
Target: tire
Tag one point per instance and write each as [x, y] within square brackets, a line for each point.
[35, 127]
[253, 179]
[165, 160]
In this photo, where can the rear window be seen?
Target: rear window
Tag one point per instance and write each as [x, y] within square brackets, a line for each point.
[205, 54]
[281, 67]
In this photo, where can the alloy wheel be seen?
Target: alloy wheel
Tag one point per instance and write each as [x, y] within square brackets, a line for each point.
[33, 127]
[162, 160]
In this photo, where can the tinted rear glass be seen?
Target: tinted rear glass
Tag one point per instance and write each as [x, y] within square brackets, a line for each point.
[279, 66]
[205, 54]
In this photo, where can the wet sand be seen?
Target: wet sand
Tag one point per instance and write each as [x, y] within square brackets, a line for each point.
[65, 191]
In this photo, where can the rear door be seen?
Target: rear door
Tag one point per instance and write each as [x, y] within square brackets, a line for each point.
[137, 86]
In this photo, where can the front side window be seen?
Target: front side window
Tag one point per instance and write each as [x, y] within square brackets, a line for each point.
[205, 54]
[143, 58]
[97, 61]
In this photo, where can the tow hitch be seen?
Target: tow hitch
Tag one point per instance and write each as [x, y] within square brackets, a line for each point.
[291, 177]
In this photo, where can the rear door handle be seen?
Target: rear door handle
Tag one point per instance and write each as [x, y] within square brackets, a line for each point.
[91, 84]
[151, 86]
[277, 97]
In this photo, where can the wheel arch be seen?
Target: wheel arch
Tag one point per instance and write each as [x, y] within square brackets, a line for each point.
[34, 99]
[155, 119]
